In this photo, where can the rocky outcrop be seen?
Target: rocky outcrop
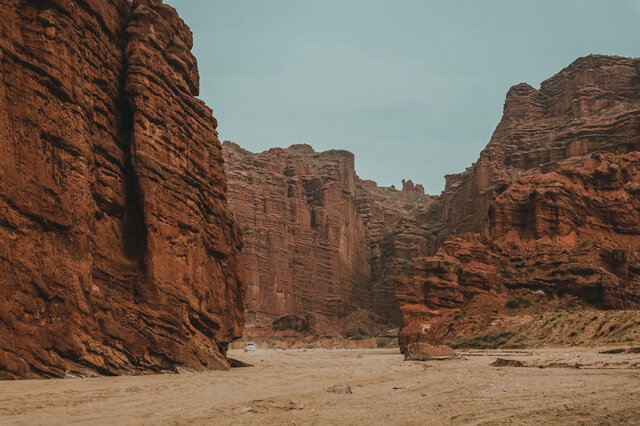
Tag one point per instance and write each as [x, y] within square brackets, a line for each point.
[399, 228]
[408, 186]
[422, 351]
[554, 204]
[119, 253]
[320, 244]
[575, 231]
[590, 106]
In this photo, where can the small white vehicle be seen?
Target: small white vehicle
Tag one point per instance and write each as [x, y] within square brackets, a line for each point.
[250, 346]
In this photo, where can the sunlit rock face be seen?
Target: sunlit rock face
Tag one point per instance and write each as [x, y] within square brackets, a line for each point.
[119, 253]
[554, 202]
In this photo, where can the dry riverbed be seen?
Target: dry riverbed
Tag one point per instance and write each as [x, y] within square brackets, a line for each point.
[576, 386]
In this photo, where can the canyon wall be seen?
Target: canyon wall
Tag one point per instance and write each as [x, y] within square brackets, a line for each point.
[399, 228]
[590, 106]
[549, 216]
[119, 253]
[322, 247]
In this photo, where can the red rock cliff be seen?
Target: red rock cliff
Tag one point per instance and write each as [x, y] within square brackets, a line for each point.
[321, 247]
[118, 253]
[591, 106]
[555, 204]
[399, 228]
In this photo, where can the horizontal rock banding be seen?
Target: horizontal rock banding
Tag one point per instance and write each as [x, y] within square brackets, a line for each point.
[554, 202]
[319, 242]
[119, 254]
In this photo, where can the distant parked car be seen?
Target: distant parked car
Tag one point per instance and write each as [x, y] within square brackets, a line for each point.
[250, 346]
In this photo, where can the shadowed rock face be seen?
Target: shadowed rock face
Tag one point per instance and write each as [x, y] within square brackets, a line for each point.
[118, 254]
[319, 242]
[554, 203]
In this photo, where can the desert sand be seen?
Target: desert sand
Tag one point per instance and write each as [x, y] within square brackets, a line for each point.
[290, 387]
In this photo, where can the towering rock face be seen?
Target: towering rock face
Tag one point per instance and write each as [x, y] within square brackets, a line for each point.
[321, 246]
[554, 201]
[399, 228]
[118, 254]
[305, 248]
[591, 106]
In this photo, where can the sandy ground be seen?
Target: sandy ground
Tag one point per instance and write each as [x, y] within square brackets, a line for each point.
[289, 387]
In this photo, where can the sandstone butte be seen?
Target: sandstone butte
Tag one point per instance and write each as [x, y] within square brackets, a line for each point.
[548, 215]
[118, 253]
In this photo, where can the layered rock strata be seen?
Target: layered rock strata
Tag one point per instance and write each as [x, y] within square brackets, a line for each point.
[119, 253]
[400, 227]
[321, 246]
[554, 205]
[591, 106]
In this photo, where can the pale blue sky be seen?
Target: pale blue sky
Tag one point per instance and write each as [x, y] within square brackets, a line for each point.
[414, 88]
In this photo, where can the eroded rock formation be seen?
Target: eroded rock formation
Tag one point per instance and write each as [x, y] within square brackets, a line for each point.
[399, 228]
[321, 246]
[118, 253]
[590, 106]
[554, 204]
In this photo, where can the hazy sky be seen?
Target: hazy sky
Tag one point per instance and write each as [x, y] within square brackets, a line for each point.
[414, 88]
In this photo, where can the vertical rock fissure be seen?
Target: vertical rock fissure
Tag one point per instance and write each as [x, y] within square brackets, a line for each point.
[102, 121]
[134, 227]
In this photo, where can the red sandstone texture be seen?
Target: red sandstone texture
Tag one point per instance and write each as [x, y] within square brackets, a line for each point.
[590, 106]
[118, 253]
[399, 228]
[554, 202]
[321, 246]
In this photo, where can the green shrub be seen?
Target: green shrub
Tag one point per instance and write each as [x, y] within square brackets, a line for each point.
[382, 342]
[491, 340]
[518, 303]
